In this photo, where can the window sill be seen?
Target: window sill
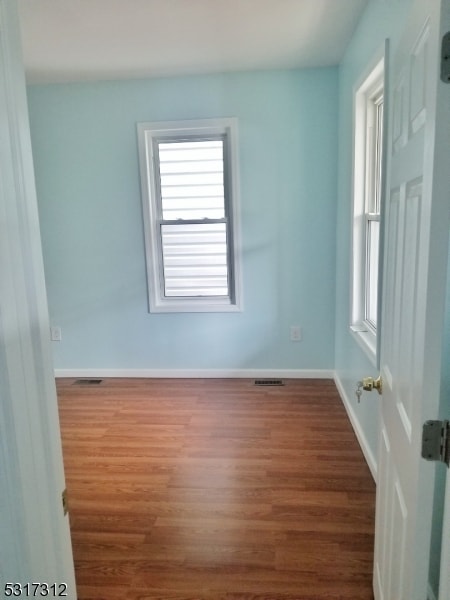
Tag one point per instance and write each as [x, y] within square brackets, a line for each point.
[186, 306]
[367, 342]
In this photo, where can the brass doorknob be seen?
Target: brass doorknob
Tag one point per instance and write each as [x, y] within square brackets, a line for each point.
[369, 384]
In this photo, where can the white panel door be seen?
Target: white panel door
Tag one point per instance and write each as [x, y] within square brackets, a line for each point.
[416, 238]
[35, 541]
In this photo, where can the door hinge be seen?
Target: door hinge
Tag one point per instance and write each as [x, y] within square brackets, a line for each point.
[65, 502]
[436, 441]
[445, 58]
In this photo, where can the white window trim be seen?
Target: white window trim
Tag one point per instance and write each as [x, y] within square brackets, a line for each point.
[372, 82]
[157, 301]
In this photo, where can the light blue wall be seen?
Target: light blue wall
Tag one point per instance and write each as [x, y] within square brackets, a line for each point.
[86, 161]
[381, 20]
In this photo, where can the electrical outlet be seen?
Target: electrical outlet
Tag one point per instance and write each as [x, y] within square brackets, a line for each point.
[296, 333]
[55, 334]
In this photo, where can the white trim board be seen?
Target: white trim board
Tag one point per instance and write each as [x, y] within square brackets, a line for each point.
[368, 454]
[199, 373]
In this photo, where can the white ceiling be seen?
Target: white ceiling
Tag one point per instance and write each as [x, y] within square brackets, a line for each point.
[75, 40]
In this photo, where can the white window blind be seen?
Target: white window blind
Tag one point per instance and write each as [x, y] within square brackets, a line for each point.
[193, 211]
[195, 259]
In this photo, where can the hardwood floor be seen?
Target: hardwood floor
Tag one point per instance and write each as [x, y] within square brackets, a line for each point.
[215, 490]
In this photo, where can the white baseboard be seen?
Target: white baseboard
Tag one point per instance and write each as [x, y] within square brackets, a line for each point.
[368, 454]
[199, 373]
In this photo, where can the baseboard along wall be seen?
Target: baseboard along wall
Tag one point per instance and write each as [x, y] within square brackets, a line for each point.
[368, 454]
[199, 373]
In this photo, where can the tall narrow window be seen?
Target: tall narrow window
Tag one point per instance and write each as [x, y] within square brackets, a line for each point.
[367, 203]
[189, 174]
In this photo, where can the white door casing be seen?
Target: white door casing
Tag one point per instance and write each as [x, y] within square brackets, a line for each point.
[35, 537]
[444, 586]
[415, 257]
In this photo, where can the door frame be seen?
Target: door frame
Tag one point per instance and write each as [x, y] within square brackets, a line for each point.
[34, 530]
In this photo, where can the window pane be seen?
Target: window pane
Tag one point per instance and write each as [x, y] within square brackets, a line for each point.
[193, 173]
[195, 259]
[191, 166]
[193, 150]
[373, 235]
[378, 154]
[185, 179]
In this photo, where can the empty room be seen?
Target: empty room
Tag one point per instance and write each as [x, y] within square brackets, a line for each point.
[225, 300]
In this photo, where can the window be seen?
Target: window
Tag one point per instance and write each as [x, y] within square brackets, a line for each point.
[367, 203]
[190, 201]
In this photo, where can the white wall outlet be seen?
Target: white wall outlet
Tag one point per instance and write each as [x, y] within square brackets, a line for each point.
[55, 334]
[296, 333]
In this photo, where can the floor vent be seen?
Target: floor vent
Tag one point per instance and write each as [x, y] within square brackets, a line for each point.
[269, 382]
[87, 381]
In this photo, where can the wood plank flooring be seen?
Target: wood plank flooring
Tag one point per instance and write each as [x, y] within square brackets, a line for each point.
[215, 490]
